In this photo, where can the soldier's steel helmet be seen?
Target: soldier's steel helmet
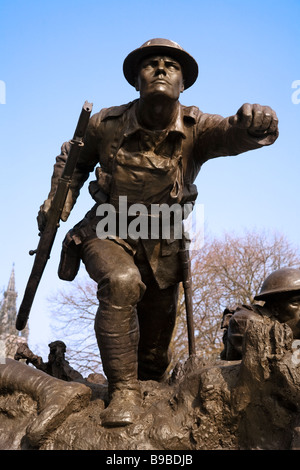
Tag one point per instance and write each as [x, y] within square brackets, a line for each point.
[166, 47]
[283, 280]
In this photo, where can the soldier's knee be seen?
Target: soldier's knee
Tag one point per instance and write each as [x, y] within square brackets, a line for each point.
[122, 287]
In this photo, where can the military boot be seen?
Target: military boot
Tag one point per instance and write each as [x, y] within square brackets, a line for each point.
[124, 405]
[118, 335]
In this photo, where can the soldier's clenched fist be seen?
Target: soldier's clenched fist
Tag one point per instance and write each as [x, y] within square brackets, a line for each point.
[256, 119]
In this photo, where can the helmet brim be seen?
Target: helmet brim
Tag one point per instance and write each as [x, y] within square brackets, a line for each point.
[188, 64]
[273, 293]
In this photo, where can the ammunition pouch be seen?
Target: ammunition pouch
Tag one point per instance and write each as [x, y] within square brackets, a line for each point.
[189, 197]
[69, 259]
[190, 193]
[100, 189]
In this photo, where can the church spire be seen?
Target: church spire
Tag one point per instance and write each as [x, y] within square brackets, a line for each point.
[11, 283]
[8, 312]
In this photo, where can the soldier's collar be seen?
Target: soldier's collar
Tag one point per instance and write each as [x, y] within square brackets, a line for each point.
[177, 126]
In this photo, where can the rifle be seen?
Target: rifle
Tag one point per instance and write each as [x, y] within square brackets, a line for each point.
[187, 286]
[47, 237]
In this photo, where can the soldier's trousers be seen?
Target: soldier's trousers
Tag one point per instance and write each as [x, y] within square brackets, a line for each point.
[135, 319]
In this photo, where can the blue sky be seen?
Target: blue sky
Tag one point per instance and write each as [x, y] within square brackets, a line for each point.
[57, 54]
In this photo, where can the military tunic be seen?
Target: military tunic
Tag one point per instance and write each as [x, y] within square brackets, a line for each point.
[150, 167]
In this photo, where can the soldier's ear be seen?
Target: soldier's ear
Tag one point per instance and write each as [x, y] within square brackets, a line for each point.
[182, 86]
[136, 84]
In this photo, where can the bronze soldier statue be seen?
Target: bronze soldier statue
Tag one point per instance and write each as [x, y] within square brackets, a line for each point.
[149, 150]
[57, 365]
[280, 293]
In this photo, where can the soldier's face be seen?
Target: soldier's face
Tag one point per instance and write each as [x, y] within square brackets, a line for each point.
[288, 311]
[160, 75]
[292, 308]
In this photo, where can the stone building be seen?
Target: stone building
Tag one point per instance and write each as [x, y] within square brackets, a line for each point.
[10, 337]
